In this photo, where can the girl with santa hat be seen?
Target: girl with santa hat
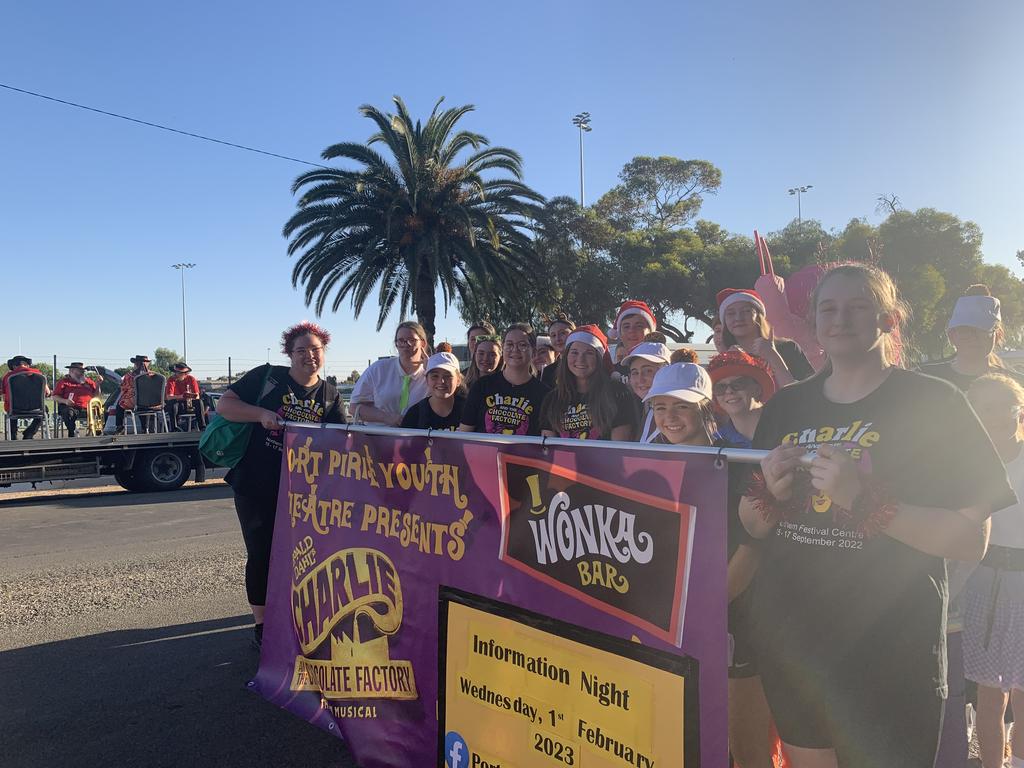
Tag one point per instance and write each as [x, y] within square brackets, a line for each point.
[745, 325]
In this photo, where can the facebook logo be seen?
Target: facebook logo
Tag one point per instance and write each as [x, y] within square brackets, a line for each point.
[456, 753]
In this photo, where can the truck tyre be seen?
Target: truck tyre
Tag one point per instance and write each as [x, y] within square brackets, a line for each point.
[161, 469]
[126, 479]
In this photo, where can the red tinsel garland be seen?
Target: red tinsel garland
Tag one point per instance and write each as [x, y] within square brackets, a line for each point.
[871, 514]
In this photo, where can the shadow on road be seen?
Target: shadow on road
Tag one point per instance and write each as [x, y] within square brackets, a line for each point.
[125, 498]
[173, 696]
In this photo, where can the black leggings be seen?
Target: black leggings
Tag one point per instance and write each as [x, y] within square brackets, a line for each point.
[256, 517]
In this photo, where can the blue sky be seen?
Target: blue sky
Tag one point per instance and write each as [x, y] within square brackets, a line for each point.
[921, 99]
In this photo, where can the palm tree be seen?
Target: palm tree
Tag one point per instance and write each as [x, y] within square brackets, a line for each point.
[419, 218]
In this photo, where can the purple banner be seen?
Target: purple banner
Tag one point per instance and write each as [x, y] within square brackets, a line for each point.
[628, 543]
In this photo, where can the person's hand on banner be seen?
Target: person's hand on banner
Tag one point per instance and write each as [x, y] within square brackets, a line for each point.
[271, 421]
[779, 467]
[835, 473]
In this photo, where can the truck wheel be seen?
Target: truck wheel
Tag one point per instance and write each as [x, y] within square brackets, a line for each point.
[161, 470]
[126, 479]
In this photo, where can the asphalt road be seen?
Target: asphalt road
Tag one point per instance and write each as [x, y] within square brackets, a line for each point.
[124, 639]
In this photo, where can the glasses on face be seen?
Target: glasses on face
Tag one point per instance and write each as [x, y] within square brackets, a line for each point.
[303, 351]
[736, 385]
[410, 342]
[522, 346]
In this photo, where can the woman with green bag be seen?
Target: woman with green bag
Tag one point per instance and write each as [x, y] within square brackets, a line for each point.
[267, 397]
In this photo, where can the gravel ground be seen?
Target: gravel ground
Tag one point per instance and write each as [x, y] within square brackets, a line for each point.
[124, 639]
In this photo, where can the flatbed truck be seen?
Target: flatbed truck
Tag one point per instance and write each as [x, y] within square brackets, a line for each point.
[144, 462]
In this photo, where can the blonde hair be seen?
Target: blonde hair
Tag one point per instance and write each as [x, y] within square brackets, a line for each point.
[1009, 384]
[883, 291]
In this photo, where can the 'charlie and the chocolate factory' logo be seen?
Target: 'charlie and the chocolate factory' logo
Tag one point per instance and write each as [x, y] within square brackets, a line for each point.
[623, 551]
[344, 611]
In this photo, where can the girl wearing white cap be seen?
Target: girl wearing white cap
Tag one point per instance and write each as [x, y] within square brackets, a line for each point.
[974, 329]
[442, 407]
[544, 355]
[875, 475]
[681, 400]
[586, 403]
[745, 325]
[646, 359]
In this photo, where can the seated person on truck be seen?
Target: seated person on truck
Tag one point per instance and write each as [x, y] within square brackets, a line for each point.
[17, 365]
[183, 395]
[127, 400]
[73, 393]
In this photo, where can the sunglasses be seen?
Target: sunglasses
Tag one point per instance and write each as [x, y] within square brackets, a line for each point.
[742, 384]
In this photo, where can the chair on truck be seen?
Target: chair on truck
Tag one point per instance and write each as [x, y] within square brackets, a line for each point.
[149, 404]
[27, 391]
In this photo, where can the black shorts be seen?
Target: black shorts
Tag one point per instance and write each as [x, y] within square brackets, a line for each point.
[872, 716]
[744, 658]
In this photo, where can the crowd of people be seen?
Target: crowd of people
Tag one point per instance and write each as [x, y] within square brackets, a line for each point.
[877, 482]
[175, 397]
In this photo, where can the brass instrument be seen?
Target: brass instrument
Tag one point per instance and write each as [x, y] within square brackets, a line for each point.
[95, 417]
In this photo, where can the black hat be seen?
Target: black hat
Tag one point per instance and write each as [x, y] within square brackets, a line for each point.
[76, 365]
[182, 367]
[17, 360]
[140, 359]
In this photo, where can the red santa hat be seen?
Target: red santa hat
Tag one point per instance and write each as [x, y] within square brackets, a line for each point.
[633, 307]
[590, 335]
[729, 296]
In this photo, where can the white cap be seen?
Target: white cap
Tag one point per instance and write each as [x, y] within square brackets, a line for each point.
[975, 311]
[444, 360]
[683, 381]
[652, 351]
[544, 341]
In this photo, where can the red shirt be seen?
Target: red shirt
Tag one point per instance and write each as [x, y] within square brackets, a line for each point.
[179, 386]
[80, 392]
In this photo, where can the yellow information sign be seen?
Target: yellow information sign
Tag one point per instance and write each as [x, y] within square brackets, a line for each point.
[521, 690]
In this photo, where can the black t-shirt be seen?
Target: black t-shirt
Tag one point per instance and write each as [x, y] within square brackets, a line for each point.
[794, 359]
[831, 600]
[944, 370]
[259, 471]
[422, 416]
[497, 406]
[550, 373]
[576, 422]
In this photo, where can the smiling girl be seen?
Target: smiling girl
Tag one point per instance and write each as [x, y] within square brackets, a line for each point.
[586, 403]
[875, 474]
[442, 407]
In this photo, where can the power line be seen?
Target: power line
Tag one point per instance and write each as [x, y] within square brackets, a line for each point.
[157, 125]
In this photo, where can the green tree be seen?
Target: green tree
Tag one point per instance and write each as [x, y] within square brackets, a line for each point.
[421, 217]
[164, 358]
[659, 193]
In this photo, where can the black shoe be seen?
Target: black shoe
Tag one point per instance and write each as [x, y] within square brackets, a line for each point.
[257, 637]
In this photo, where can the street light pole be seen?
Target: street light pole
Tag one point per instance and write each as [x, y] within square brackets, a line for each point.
[184, 342]
[799, 210]
[582, 121]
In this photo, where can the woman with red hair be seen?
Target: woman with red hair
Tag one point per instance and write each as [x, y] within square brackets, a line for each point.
[268, 396]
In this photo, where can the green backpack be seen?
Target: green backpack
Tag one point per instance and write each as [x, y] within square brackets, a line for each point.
[224, 442]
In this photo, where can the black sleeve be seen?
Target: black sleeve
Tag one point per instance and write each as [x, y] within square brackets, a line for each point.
[248, 387]
[335, 413]
[474, 405]
[958, 466]
[628, 409]
[411, 420]
[795, 360]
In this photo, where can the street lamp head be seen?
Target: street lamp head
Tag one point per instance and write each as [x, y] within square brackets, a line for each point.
[183, 265]
[582, 121]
